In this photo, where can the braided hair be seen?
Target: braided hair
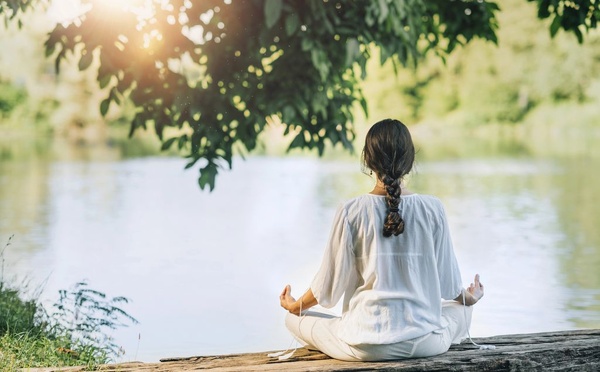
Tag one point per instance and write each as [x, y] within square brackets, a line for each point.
[390, 153]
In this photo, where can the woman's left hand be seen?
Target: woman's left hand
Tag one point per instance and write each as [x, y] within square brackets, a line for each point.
[286, 300]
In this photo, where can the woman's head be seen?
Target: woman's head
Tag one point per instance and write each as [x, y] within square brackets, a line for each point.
[389, 150]
[390, 153]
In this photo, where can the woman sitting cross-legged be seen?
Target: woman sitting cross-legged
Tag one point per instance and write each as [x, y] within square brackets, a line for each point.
[390, 255]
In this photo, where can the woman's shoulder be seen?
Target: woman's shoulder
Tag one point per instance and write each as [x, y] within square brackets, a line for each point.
[425, 198]
[426, 201]
[359, 203]
[361, 200]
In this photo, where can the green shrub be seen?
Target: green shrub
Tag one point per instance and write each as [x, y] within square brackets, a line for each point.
[16, 314]
[76, 332]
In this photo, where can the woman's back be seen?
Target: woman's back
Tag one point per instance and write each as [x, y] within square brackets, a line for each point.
[394, 291]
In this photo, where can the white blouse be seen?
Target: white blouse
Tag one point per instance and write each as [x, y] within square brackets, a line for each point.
[393, 286]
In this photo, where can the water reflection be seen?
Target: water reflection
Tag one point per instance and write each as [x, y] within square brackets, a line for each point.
[204, 270]
[24, 198]
[576, 198]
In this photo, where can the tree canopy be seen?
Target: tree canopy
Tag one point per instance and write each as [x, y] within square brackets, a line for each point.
[218, 69]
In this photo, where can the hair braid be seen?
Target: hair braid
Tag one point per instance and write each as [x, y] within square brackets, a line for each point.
[389, 151]
[394, 224]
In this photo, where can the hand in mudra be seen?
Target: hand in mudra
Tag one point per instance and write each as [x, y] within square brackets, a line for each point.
[286, 300]
[476, 288]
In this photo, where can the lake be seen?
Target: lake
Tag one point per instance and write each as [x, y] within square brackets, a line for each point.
[204, 270]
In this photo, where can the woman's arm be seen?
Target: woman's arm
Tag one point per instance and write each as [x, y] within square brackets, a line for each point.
[471, 294]
[307, 300]
[337, 268]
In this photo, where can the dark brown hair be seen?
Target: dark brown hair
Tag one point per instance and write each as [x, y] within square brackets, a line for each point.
[390, 153]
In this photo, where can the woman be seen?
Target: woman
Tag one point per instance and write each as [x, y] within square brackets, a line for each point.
[391, 256]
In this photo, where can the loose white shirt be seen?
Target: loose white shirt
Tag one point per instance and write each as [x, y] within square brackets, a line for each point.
[393, 287]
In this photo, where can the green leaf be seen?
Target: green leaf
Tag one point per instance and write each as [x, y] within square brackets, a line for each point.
[191, 163]
[86, 60]
[365, 107]
[104, 106]
[272, 12]
[555, 26]
[384, 11]
[138, 121]
[347, 143]
[50, 48]
[319, 104]
[369, 20]
[58, 59]
[352, 51]
[320, 147]
[319, 60]
[182, 141]
[207, 177]
[579, 35]
[306, 44]
[168, 143]
[291, 24]
[114, 95]
[544, 9]
[333, 136]
[288, 113]
[229, 159]
[298, 141]
[104, 80]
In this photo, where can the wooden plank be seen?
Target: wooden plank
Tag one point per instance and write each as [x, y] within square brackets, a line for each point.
[550, 351]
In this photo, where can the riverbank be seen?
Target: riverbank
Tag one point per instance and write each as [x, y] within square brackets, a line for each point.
[549, 351]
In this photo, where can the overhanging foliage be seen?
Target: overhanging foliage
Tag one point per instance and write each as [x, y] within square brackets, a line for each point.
[218, 69]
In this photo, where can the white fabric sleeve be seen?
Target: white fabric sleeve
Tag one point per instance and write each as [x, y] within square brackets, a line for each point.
[330, 282]
[447, 265]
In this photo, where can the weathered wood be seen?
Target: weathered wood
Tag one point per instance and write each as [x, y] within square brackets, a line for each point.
[551, 351]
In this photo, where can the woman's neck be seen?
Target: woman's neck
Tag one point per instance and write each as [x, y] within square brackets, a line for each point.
[379, 189]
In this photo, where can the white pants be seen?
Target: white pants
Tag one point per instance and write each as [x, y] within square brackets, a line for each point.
[319, 331]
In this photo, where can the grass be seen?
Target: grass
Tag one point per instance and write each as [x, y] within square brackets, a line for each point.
[26, 350]
[76, 332]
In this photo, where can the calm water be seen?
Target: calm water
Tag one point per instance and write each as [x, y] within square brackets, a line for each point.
[204, 270]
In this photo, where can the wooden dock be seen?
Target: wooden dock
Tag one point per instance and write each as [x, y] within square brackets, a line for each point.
[550, 351]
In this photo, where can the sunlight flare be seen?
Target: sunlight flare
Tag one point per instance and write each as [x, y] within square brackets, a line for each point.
[67, 11]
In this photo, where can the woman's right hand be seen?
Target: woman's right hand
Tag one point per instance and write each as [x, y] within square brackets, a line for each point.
[472, 294]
